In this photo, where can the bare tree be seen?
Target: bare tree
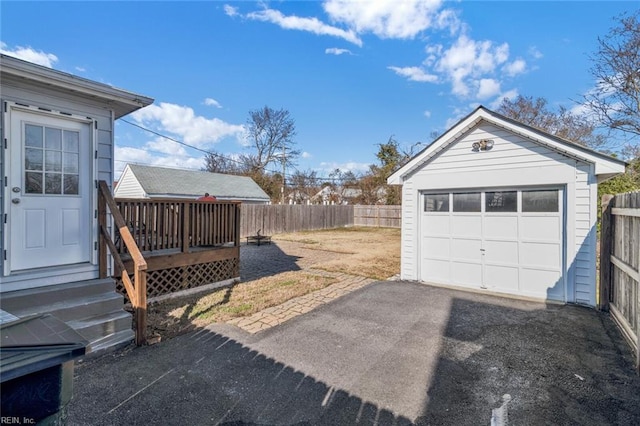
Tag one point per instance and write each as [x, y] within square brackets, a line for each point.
[215, 162]
[562, 123]
[303, 186]
[616, 68]
[270, 133]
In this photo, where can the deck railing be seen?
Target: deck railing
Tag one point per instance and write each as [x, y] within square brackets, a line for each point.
[162, 224]
[136, 289]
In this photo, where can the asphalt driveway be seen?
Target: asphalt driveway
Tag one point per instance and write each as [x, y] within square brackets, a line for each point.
[389, 353]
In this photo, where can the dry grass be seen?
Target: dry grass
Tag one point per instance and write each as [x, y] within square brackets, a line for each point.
[172, 317]
[368, 252]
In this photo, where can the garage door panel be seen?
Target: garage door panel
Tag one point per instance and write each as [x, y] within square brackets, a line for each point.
[466, 226]
[436, 271]
[436, 247]
[436, 225]
[466, 249]
[541, 284]
[540, 228]
[501, 252]
[466, 273]
[543, 255]
[506, 250]
[503, 278]
[501, 227]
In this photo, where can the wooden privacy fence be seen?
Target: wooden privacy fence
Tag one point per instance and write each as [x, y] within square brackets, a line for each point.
[620, 264]
[282, 218]
[378, 216]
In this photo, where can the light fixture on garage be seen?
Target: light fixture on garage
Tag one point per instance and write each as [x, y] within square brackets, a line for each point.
[483, 145]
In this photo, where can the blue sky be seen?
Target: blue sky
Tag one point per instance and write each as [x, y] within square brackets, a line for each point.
[351, 73]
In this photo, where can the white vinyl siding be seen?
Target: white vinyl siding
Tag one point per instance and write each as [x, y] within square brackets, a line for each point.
[514, 161]
[585, 232]
[409, 238]
[128, 186]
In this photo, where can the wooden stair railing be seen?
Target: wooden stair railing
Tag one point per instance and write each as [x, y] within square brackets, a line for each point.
[136, 290]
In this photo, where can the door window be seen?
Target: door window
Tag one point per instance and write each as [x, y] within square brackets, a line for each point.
[540, 201]
[466, 202]
[500, 202]
[51, 160]
[436, 202]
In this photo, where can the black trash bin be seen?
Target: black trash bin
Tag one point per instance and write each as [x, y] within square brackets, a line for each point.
[36, 369]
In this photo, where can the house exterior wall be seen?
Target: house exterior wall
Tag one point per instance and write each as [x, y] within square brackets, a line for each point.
[514, 161]
[128, 186]
[102, 137]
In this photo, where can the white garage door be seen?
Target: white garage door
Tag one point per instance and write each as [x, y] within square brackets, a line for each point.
[502, 240]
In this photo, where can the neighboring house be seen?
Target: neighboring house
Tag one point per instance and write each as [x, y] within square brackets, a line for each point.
[58, 131]
[161, 182]
[499, 206]
[336, 195]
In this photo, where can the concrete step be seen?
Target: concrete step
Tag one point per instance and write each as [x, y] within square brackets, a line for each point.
[95, 328]
[111, 342]
[76, 308]
[92, 308]
[40, 296]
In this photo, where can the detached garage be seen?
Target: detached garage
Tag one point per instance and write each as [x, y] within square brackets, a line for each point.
[497, 205]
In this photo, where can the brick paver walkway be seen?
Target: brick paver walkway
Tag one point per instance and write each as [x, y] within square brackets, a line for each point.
[258, 261]
[275, 315]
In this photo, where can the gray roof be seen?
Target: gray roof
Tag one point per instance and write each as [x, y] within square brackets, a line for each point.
[163, 181]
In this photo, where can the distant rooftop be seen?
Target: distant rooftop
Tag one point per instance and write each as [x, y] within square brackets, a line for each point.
[164, 181]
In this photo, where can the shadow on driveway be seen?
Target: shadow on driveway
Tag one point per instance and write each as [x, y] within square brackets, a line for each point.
[391, 353]
[265, 260]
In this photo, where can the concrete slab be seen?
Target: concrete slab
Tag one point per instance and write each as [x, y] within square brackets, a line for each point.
[389, 353]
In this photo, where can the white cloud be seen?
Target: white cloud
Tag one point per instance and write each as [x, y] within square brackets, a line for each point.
[350, 166]
[230, 10]
[388, 18]
[535, 53]
[414, 74]
[81, 69]
[182, 122]
[427, 114]
[509, 94]
[487, 88]
[337, 51]
[305, 154]
[212, 102]
[467, 61]
[313, 25]
[516, 67]
[29, 54]
[151, 154]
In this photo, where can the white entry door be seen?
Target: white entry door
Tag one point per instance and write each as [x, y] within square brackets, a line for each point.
[508, 241]
[49, 191]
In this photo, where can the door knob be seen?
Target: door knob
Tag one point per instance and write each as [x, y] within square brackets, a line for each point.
[15, 189]
[15, 200]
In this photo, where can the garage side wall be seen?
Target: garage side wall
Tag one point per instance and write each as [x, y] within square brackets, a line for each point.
[513, 161]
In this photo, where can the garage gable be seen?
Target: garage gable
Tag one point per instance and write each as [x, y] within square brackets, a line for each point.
[512, 131]
[494, 205]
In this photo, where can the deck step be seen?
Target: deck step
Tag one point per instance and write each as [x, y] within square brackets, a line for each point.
[111, 342]
[74, 308]
[93, 308]
[99, 326]
[39, 296]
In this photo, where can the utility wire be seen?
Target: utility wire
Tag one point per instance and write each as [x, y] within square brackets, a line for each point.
[215, 154]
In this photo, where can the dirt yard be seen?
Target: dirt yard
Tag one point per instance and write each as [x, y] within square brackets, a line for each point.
[294, 265]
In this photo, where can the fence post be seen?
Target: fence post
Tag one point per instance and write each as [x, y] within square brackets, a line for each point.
[606, 233]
